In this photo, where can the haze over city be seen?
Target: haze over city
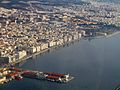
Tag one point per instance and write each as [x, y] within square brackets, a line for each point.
[59, 44]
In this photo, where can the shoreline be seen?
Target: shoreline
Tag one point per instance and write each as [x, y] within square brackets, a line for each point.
[100, 36]
[53, 47]
[41, 52]
[115, 33]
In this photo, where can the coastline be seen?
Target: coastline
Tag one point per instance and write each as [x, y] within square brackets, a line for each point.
[107, 36]
[41, 52]
[53, 47]
[115, 33]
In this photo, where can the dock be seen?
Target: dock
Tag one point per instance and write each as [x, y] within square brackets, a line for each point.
[8, 74]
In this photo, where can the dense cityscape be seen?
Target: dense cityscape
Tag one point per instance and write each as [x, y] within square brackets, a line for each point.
[39, 26]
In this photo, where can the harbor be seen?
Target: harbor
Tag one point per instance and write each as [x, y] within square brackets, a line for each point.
[59, 45]
[9, 74]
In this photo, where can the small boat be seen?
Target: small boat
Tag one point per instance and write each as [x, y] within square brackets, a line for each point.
[19, 77]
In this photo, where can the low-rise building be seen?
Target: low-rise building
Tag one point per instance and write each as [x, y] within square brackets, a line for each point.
[61, 41]
[57, 42]
[69, 38]
[79, 35]
[2, 79]
[83, 33]
[51, 43]
[38, 49]
[65, 39]
[44, 46]
[31, 50]
[75, 36]
[22, 54]
[12, 58]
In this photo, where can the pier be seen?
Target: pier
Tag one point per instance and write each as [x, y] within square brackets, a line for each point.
[18, 74]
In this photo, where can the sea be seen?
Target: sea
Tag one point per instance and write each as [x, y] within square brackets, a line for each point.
[93, 61]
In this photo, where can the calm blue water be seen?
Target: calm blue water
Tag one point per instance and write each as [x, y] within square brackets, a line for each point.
[95, 64]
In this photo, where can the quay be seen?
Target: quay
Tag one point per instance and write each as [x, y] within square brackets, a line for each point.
[8, 74]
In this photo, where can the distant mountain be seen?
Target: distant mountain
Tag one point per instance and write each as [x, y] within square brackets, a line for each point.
[112, 1]
[13, 3]
[23, 3]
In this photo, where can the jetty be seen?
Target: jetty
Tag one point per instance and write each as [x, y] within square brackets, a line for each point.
[12, 73]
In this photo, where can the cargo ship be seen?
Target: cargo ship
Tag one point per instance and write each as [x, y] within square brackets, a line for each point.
[49, 76]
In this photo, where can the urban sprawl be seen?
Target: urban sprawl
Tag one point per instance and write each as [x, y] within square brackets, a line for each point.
[38, 27]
